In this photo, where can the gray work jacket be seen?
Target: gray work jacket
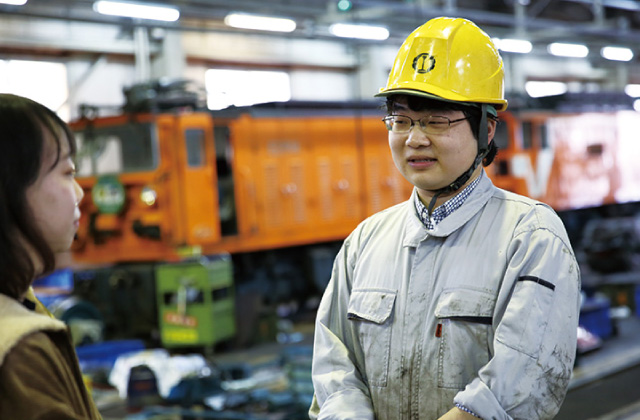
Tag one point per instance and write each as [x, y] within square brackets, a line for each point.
[483, 311]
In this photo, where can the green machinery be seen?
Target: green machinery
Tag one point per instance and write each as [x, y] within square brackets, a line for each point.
[195, 302]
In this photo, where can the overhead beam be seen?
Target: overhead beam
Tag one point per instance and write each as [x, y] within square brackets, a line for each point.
[399, 17]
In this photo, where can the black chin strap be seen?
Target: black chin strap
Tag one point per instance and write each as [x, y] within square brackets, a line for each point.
[483, 149]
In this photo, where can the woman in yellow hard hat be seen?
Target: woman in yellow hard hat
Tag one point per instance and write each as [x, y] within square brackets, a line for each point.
[452, 61]
[463, 301]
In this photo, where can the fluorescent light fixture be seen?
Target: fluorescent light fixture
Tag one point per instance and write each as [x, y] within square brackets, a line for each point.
[513, 45]
[537, 89]
[348, 30]
[261, 23]
[617, 53]
[632, 90]
[568, 50]
[13, 2]
[137, 10]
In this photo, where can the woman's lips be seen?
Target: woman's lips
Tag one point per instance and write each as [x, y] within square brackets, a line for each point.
[421, 162]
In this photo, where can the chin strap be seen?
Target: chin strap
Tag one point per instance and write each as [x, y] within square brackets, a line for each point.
[483, 149]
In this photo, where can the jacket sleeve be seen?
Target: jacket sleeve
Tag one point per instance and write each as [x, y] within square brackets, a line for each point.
[340, 390]
[535, 322]
[37, 383]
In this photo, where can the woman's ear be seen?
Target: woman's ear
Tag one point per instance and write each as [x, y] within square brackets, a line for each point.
[491, 126]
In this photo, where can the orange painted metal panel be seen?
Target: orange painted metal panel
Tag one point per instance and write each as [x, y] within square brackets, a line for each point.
[584, 159]
[298, 180]
[198, 192]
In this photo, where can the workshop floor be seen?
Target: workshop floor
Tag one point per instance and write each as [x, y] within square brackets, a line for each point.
[277, 386]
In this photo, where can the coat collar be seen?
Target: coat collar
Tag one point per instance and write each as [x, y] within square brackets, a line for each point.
[16, 322]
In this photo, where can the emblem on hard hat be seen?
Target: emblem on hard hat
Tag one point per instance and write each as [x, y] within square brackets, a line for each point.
[424, 63]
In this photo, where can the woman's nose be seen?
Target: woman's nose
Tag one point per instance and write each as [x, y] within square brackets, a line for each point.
[79, 192]
[417, 137]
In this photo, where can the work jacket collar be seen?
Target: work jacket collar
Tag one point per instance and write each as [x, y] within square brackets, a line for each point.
[415, 231]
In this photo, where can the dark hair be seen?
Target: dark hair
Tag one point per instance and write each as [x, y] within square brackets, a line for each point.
[22, 127]
[472, 113]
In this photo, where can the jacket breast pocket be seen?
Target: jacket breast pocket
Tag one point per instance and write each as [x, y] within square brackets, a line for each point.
[371, 310]
[465, 333]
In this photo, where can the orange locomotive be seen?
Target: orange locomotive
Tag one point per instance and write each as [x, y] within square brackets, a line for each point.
[256, 182]
[227, 185]
[279, 187]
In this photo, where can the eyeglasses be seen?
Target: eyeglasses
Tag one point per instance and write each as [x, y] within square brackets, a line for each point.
[433, 124]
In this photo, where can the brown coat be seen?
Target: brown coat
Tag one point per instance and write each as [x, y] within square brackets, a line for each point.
[39, 373]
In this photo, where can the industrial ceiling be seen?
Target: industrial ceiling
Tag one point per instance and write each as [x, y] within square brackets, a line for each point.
[597, 21]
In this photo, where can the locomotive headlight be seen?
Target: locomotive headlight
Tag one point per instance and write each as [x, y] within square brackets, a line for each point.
[148, 196]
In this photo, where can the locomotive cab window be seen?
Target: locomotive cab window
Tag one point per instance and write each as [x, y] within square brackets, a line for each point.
[195, 147]
[544, 136]
[527, 135]
[535, 135]
[118, 149]
[226, 188]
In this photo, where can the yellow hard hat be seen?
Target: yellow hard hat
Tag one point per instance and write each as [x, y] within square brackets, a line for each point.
[449, 59]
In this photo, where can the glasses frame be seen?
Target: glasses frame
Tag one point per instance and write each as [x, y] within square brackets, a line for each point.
[423, 126]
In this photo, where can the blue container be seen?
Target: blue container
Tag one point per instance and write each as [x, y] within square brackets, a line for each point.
[60, 280]
[595, 316]
[102, 356]
[53, 288]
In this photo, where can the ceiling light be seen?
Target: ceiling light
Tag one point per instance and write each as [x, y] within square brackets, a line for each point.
[632, 90]
[537, 89]
[346, 30]
[13, 2]
[568, 50]
[137, 10]
[617, 53]
[261, 23]
[513, 45]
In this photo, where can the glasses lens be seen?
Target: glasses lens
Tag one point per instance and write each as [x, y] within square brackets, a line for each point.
[388, 122]
[398, 123]
[435, 124]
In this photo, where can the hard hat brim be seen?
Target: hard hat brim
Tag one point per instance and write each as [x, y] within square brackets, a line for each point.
[493, 107]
